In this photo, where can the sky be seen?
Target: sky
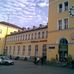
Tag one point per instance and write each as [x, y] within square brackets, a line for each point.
[24, 13]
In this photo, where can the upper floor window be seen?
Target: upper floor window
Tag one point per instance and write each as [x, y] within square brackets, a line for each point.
[38, 34]
[66, 23]
[35, 35]
[32, 36]
[60, 7]
[66, 5]
[60, 24]
[29, 37]
[42, 34]
[26, 37]
[46, 34]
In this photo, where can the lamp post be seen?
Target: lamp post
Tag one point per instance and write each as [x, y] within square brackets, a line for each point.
[5, 49]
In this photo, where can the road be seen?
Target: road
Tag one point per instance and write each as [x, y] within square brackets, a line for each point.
[23, 67]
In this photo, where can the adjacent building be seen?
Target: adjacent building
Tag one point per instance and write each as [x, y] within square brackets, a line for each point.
[6, 28]
[60, 29]
[28, 43]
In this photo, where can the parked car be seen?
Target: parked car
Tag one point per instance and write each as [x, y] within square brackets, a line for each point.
[0, 60]
[6, 60]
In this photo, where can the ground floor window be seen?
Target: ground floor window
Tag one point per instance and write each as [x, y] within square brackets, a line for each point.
[23, 52]
[29, 50]
[18, 52]
[36, 50]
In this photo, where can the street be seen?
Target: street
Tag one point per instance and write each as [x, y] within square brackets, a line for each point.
[24, 67]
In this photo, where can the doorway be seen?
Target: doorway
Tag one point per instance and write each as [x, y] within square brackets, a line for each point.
[63, 50]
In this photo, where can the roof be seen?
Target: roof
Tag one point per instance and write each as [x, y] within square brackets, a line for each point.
[39, 28]
[9, 24]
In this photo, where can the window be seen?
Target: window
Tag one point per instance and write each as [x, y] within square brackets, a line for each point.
[18, 52]
[60, 7]
[23, 37]
[29, 50]
[66, 23]
[26, 37]
[10, 50]
[18, 37]
[66, 5]
[13, 50]
[36, 50]
[35, 35]
[39, 35]
[42, 34]
[60, 24]
[44, 50]
[29, 37]
[46, 34]
[23, 52]
[32, 36]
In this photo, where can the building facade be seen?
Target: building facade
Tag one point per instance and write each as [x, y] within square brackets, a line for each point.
[60, 29]
[6, 28]
[28, 43]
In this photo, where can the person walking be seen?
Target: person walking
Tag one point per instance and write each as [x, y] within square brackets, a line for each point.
[35, 60]
[42, 62]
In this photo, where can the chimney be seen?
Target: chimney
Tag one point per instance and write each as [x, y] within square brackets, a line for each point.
[11, 32]
[41, 25]
[24, 29]
[28, 28]
[34, 27]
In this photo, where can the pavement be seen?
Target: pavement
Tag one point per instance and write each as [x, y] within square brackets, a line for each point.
[25, 67]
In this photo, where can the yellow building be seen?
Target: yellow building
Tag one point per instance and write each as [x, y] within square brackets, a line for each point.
[60, 29]
[30, 42]
[6, 28]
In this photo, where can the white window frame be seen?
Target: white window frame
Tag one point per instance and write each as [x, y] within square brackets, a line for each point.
[58, 7]
[64, 6]
[58, 24]
[68, 21]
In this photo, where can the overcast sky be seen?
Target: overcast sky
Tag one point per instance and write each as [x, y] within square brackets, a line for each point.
[24, 13]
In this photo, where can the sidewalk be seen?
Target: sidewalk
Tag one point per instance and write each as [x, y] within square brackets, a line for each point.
[58, 64]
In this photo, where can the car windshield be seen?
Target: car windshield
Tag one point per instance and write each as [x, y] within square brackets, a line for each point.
[5, 58]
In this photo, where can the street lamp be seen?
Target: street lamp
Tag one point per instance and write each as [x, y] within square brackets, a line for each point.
[5, 49]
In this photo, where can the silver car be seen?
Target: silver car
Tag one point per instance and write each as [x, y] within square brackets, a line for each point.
[6, 61]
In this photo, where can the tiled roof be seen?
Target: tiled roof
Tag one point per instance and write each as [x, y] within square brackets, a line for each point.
[9, 24]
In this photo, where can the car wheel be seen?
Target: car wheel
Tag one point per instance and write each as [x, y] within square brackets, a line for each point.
[6, 63]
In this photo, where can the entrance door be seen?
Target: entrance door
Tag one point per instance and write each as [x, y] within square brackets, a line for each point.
[63, 50]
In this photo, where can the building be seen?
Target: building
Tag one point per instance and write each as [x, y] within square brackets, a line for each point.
[60, 29]
[6, 28]
[30, 42]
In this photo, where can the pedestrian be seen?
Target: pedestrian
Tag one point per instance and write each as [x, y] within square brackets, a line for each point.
[42, 61]
[10, 57]
[38, 59]
[35, 60]
[72, 64]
